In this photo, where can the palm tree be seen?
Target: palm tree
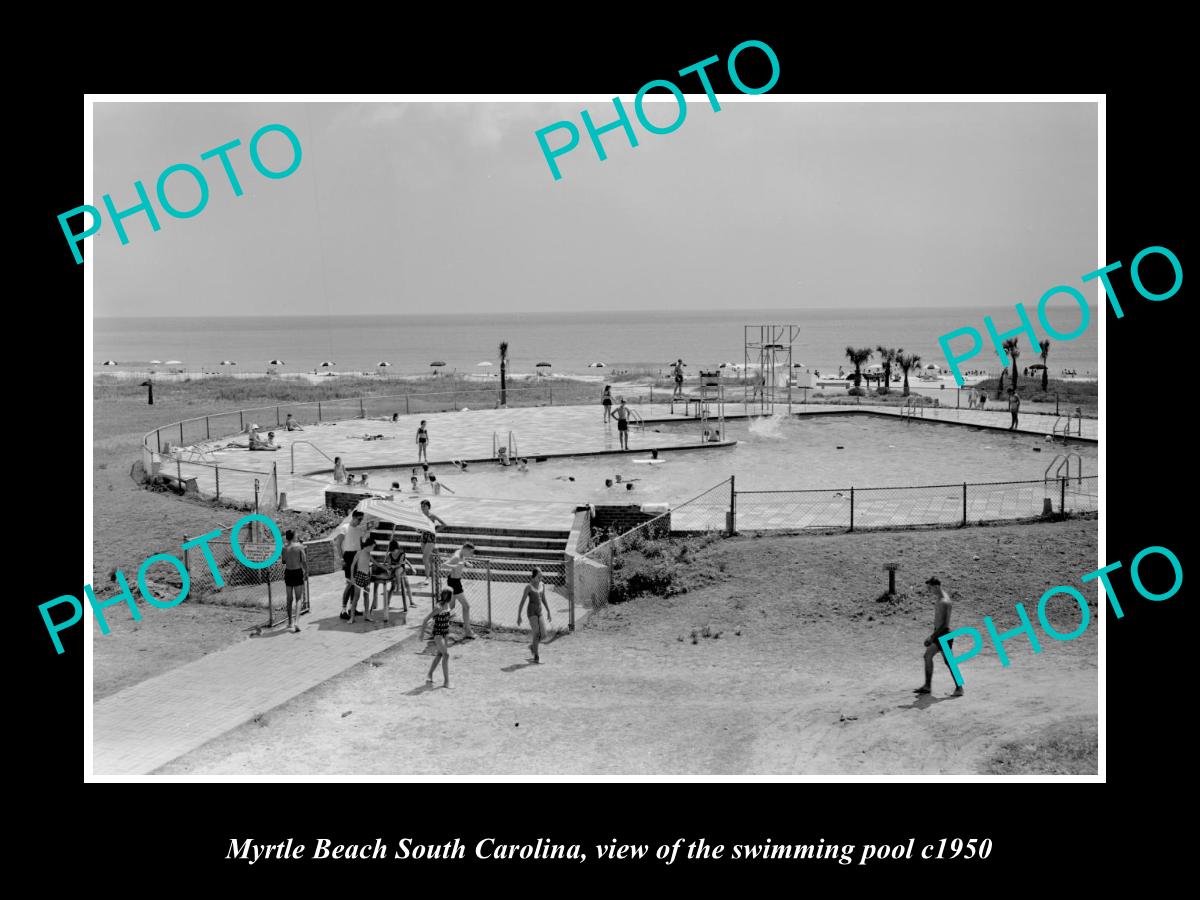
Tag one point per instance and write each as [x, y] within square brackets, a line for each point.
[907, 361]
[857, 357]
[888, 357]
[503, 373]
[1013, 351]
[1000, 389]
[1045, 345]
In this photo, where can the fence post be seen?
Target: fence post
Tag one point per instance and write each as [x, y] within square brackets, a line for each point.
[277, 422]
[406, 410]
[271, 603]
[964, 503]
[181, 434]
[275, 480]
[361, 412]
[186, 567]
[217, 469]
[207, 432]
[255, 495]
[610, 569]
[241, 421]
[732, 507]
[957, 398]
[179, 471]
[318, 410]
[851, 507]
[158, 438]
[454, 398]
[489, 593]
[1062, 494]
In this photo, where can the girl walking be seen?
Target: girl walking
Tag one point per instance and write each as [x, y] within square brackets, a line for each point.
[535, 593]
[441, 627]
[422, 443]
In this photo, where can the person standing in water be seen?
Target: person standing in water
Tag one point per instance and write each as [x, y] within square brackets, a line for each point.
[606, 402]
[423, 443]
[535, 593]
[622, 416]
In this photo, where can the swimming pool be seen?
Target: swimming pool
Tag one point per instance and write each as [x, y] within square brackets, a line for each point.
[771, 454]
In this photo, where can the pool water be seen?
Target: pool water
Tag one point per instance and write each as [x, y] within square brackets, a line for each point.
[771, 454]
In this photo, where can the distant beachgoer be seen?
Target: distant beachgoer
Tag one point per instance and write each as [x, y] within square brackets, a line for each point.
[441, 628]
[622, 416]
[291, 424]
[535, 593]
[423, 443]
[606, 401]
[339, 471]
[295, 568]
[982, 400]
[971, 399]
[677, 371]
[429, 539]
[360, 577]
[1014, 407]
[454, 572]
[942, 607]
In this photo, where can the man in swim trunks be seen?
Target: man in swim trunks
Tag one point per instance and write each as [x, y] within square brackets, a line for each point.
[942, 606]
[295, 569]
[429, 538]
[454, 572]
[1014, 407]
[622, 416]
[678, 370]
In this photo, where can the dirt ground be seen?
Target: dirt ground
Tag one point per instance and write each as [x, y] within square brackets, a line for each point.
[801, 672]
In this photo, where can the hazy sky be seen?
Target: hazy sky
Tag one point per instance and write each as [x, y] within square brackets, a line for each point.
[451, 208]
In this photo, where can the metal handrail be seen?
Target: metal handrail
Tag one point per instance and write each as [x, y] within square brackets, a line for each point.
[311, 444]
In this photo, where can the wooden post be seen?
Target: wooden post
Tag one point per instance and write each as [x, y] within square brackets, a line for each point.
[362, 414]
[277, 421]
[1062, 495]
[732, 506]
[318, 410]
[217, 469]
[852, 508]
[406, 410]
[964, 503]
[180, 434]
[207, 431]
[489, 593]
[241, 421]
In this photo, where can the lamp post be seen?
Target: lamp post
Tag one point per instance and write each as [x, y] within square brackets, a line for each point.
[150, 386]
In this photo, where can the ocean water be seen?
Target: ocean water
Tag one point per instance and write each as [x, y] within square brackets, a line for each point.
[569, 341]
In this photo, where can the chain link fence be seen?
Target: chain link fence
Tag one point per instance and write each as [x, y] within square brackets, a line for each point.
[227, 581]
[493, 587]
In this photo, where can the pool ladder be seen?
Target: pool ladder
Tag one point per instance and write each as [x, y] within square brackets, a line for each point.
[910, 409]
[1061, 462]
[1066, 426]
[510, 446]
[311, 444]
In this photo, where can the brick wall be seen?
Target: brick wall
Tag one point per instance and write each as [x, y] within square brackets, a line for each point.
[322, 557]
[345, 501]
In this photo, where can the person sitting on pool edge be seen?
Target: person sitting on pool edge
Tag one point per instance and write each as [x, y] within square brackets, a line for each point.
[257, 443]
[291, 424]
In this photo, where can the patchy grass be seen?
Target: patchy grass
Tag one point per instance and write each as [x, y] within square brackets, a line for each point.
[1068, 748]
[1070, 394]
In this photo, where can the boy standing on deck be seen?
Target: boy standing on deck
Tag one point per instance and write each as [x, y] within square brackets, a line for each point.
[942, 607]
[295, 570]
[622, 417]
[1014, 407]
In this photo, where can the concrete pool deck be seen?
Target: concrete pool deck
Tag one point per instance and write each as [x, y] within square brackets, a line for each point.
[553, 431]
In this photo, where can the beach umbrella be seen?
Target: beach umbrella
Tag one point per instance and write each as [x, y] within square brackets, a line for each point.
[543, 365]
[1031, 368]
[228, 362]
[596, 365]
[484, 363]
[326, 364]
[277, 362]
[110, 362]
[797, 365]
[173, 362]
[384, 363]
[437, 364]
[156, 362]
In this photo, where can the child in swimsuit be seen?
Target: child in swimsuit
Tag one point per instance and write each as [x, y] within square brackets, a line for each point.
[441, 627]
[422, 443]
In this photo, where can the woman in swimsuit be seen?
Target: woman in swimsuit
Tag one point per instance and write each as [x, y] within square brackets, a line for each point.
[441, 627]
[422, 443]
[606, 399]
[535, 593]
